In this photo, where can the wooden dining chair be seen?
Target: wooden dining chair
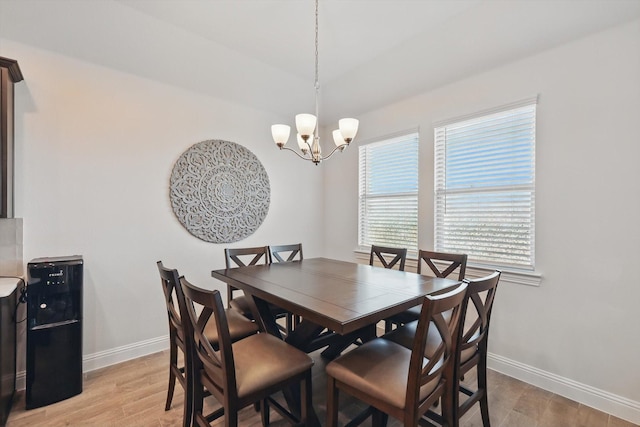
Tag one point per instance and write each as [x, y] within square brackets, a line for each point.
[287, 253]
[441, 264]
[472, 344]
[239, 326]
[388, 257]
[401, 382]
[292, 252]
[242, 373]
[241, 257]
[472, 350]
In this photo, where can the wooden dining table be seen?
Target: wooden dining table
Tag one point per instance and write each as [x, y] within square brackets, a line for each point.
[337, 301]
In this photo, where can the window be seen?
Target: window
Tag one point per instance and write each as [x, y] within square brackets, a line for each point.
[388, 196]
[485, 186]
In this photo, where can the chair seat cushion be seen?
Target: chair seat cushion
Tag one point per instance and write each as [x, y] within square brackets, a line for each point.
[379, 368]
[263, 360]
[241, 304]
[409, 315]
[404, 336]
[239, 327]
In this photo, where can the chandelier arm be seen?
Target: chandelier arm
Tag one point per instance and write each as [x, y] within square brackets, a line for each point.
[340, 147]
[296, 153]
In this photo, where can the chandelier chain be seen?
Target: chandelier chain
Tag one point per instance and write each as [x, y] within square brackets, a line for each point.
[317, 82]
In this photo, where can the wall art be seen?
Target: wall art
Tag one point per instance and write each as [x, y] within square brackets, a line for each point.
[219, 191]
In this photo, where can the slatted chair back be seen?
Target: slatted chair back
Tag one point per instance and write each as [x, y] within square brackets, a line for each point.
[452, 262]
[472, 350]
[443, 314]
[204, 306]
[388, 257]
[292, 252]
[172, 295]
[242, 257]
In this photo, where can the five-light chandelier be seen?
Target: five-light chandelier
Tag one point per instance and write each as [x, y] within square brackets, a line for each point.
[307, 127]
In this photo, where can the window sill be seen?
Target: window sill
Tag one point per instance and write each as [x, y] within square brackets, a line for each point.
[527, 278]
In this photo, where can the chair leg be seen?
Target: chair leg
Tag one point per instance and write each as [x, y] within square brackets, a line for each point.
[379, 418]
[306, 401]
[187, 416]
[482, 386]
[332, 402]
[231, 417]
[173, 361]
[264, 412]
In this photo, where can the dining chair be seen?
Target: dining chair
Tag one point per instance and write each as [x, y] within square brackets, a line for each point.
[292, 252]
[287, 253]
[441, 264]
[472, 350]
[241, 373]
[241, 257]
[472, 344]
[239, 326]
[388, 257]
[401, 382]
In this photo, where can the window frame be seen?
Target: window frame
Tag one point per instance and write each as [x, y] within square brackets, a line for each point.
[410, 137]
[526, 271]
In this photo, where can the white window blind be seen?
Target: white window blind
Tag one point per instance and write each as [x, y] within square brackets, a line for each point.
[485, 187]
[388, 196]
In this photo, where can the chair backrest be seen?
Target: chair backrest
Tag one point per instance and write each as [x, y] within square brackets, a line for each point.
[292, 252]
[215, 367]
[481, 294]
[169, 280]
[451, 261]
[443, 313]
[388, 257]
[241, 257]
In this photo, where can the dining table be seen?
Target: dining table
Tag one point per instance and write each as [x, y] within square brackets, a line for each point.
[337, 301]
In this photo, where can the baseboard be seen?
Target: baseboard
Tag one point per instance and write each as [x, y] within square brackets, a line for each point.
[610, 403]
[102, 359]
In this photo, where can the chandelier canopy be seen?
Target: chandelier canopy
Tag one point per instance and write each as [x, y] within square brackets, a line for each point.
[307, 127]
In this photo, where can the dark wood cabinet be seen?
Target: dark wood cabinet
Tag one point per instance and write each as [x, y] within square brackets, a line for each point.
[9, 74]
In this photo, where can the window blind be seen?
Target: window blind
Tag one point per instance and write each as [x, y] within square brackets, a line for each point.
[388, 193]
[485, 187]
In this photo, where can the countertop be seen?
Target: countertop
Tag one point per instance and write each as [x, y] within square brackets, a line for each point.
[7, 285]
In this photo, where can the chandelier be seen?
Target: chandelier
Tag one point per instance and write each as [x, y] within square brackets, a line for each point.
[307, 127]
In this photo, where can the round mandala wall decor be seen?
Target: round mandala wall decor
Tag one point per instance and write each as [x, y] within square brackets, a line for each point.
[219, 191]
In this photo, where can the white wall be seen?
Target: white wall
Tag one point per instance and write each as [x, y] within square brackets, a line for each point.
[95, 149]
[581, 324]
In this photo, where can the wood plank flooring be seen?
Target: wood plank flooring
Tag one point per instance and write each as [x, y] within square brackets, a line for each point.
[133, 394]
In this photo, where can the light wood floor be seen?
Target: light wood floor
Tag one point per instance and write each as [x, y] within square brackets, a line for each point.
[133, 394]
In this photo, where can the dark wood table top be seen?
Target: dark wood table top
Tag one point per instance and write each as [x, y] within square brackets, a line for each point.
[340, 296]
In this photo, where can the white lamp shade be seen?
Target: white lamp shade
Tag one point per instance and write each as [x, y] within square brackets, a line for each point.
[306, 124]
[301, 144]
[348, 128]
[337, 138]
[280, 133]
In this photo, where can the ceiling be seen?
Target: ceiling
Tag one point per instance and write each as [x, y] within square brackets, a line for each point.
[261, 52]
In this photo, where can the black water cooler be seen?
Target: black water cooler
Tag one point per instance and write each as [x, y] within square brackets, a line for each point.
[54, 330]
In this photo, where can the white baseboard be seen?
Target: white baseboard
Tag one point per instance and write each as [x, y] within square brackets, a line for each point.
[610, 403]
[102, 359]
